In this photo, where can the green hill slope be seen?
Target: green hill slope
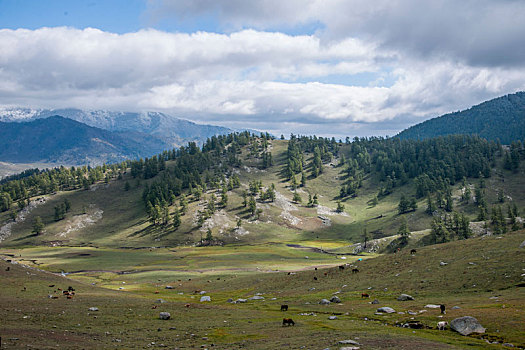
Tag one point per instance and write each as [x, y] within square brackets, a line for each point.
[502, 118]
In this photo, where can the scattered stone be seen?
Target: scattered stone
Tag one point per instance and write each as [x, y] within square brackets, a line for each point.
[466, 325]
[335, 299]
[348, 341]
[164, 315]
[205, 298]
[230, 300]
[508, 345]
[169, 287]
[240, 301]
[160, 301]
[522, 245]
[202, 292]
[375, 301]
[257, 297]
[455, 308]
[412, 312]
[332, 318]
[324, 302]
[93, 309]
[385, 309]
[432, 306]
[349, 348]
[442, 263]
[405, 297]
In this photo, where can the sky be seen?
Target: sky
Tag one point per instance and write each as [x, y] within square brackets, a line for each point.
[326, 67]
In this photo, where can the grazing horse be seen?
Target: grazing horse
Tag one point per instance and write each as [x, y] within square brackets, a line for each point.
[413, 251]
[355, 270]
[442, 325]
[288, 322]
[442, 308]
[284, 307]
[365, 295]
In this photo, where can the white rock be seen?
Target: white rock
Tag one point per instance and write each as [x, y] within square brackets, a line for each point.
[205, 298]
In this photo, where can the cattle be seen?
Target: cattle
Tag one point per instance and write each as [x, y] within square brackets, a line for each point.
[315, 278]
[355, 270]
[442, 325]
[442, 308]
[413, 251]
[8, 268]
[71, 289]
[341, 267]
[51, 285]
[187, 305]
[288, 322]
[365, 295]
[284, 307]
[157, 292]
[326, 273]
[316, 269]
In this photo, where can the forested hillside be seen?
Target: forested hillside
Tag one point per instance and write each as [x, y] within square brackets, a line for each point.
[500, 119]
[356, 190]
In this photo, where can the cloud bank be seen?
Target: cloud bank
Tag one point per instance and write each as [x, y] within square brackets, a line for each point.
[367, 69]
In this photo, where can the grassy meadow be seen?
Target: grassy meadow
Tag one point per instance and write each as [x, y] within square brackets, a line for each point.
[117, 261]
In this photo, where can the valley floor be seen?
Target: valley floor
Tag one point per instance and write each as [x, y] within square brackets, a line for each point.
[482, 277]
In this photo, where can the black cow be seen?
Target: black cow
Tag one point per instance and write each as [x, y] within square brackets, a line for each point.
[442, 308]
[284, 307]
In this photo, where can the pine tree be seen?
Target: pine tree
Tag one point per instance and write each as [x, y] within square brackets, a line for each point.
[296, 198]
[176, 219]
[366, 237]
[430, 206]
[38, 225]
[403, 231]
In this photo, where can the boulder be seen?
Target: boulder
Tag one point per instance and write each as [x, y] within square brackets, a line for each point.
[522, 245]
[332, 318]
[348, 342]
[160, 301]
[324, 302]
[240, 301]
[164, 315]
[405, 297]
[466, 325]
[432, 306]
[230, 300]
[93, 309]
[205, 298]
[375, 301]
[169, 287]
[442, 263]
[257, 297]
[385, 310]
[335, 299]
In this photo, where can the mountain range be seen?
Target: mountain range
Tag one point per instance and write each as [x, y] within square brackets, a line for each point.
[173, 131]
[65, 141]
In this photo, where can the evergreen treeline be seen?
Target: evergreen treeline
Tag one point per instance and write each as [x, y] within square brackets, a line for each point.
[433, 164]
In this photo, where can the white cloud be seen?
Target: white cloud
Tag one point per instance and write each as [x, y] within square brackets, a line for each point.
[247, 78]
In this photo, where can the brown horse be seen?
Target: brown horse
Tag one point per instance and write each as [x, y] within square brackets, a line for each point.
[288, 322]
[365, 295]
